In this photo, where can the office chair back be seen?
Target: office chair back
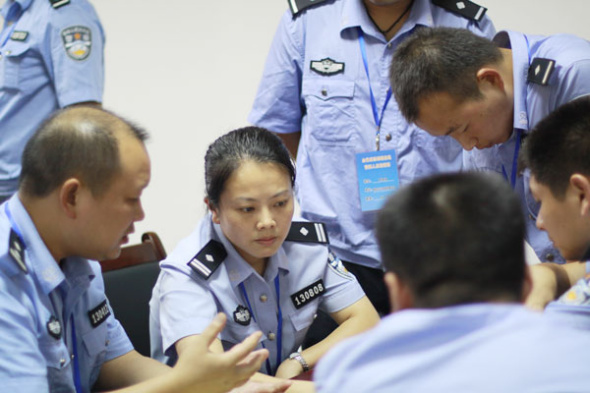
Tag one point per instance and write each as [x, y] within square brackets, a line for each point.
[128, 282]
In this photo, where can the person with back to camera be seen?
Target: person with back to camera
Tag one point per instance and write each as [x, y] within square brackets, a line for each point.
[79, 196]
[489, 95]
[249, 260]
[456, 273]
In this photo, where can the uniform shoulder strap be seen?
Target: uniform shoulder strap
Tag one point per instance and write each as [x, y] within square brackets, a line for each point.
[59, 3]
[308, 232]
[540, 71]
[297, 6]
[208, 259]
[464, 8]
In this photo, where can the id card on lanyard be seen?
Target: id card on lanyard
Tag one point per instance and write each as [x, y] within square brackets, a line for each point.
[377, 172]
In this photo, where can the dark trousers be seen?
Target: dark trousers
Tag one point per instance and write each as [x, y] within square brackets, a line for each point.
[371, 280]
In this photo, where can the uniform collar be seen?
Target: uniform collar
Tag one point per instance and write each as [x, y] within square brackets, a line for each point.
[24, 4]
[39, 259]
[239, 270]
[517, 43]
[354, 15]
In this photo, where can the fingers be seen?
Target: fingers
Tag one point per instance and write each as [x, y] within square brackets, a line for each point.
[214, 328]
[240, 351]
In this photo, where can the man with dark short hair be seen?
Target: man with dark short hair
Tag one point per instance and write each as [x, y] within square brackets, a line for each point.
[556, 154]
[489, 95]
[456, 274]
[83, 174]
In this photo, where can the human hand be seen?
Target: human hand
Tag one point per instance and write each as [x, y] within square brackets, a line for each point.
[263, 387]
[198, 369]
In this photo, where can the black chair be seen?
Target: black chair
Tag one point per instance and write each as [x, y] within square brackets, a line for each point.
[128, 282]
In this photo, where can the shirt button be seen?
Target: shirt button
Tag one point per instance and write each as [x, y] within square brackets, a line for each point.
[549, 257]
[263, 298]
[8, 52]
[271, 336]
[324, 92]
[388, 137]
[107, 342]
[62, 362]
[389, 46]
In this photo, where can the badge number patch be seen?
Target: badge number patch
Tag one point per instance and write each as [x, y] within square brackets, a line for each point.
[77, 42]
[307, 294]
[99, 314]
[242, 316]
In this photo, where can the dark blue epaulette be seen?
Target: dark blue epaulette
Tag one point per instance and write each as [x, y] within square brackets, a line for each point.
[297, 6]
[59, 3]
[540, 70]
[208, 259]
[464, 8]
[308, 232]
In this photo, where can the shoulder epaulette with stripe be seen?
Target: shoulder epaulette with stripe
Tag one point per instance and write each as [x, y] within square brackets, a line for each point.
[464, 8]
[308, 232]
[299, 5]
[208, 259]
[540, 70]
[59, 3]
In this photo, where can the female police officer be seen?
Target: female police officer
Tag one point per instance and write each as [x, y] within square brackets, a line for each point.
[246, 258]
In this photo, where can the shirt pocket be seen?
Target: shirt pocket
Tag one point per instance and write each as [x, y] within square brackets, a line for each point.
[95, 344]
[234, 333]
[329, 108]
[11, 65]
[59, 373]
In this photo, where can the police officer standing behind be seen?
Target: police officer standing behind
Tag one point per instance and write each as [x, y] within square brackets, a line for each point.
[51, 56]
[79, 196]
[325, 91]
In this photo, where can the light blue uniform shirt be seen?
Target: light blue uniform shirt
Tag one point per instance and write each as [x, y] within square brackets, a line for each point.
[34, 360]
[40, 71]
[183, 303]
[532, 102]
[335, 116]
[472, 348]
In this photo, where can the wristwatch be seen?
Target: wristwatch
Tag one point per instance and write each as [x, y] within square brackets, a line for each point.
[297, 356]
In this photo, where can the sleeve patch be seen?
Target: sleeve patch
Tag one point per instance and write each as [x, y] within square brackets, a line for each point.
[338, 267]
[77, 42]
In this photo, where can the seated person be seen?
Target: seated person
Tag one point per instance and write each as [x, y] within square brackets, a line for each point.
[556, 154]
[456, 274]
[249, 260]
[79, 196]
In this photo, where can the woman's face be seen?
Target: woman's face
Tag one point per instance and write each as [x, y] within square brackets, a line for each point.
[255, 210]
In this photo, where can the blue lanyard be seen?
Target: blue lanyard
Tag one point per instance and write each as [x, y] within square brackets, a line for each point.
[11, 16]
[77, 381]
[378, 119]
[279, 321]
[514, 160]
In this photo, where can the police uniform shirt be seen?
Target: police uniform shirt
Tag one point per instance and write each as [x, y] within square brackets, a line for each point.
[37, 303]
[568, 80]
[184, 303]
[470, 348]
[333, 111]
[49, 58]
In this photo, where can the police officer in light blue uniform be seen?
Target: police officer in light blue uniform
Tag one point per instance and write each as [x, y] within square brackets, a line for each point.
[326, 76]
[61, 316]
[51, 56]
[248, 260]
[547, 73]
[452, 246]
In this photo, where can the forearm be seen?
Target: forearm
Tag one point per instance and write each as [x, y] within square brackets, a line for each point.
[129, 369]
[551, 280]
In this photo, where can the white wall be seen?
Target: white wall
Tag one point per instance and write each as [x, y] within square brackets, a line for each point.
[188, 72]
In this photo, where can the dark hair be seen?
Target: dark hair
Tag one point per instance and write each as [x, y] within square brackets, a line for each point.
[77, 142]
[228, 152]
[455, 239]
[434, 60]
[559, 146]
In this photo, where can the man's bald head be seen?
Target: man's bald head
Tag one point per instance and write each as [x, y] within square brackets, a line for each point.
[81, 142]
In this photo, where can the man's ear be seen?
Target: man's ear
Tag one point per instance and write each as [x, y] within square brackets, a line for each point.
[400, 295]
[214, 211]
[489, 77]
[69, 196]
[581, 187]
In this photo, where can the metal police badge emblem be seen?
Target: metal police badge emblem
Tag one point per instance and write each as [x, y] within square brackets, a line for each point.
[54, 328]
[242, 316]
[77, 42]
[326, 66]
